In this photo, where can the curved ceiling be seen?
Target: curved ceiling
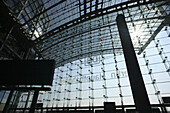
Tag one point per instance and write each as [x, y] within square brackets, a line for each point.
[68, 30]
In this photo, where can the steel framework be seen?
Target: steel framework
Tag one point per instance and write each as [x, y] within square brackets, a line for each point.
[74, 33]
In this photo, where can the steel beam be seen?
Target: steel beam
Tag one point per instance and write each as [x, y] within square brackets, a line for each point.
[92, 15]
[165, 22]
[6, 38]
[11, 50]
[43, 12]
[34, 101]
[26, 88]
[87, 107]
[11, 29]
[151, 38]
[112, 24]
[135, 76]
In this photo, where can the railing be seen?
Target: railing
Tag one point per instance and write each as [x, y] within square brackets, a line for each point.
[157, 108]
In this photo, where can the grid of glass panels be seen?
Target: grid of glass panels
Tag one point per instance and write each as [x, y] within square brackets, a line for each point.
[89, 60]
[103, 78]
[101, 35]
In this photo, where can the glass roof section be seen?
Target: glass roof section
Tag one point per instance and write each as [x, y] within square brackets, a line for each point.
[67, 30]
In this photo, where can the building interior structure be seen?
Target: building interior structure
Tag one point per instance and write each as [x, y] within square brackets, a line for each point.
[83, 38]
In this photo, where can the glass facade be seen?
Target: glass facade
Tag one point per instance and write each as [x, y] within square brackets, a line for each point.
[103, 78]
[82, 36]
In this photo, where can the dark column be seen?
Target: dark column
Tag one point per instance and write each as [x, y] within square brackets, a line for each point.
[8, 102]
[135, 77]
[34, 101]
[109, 107]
